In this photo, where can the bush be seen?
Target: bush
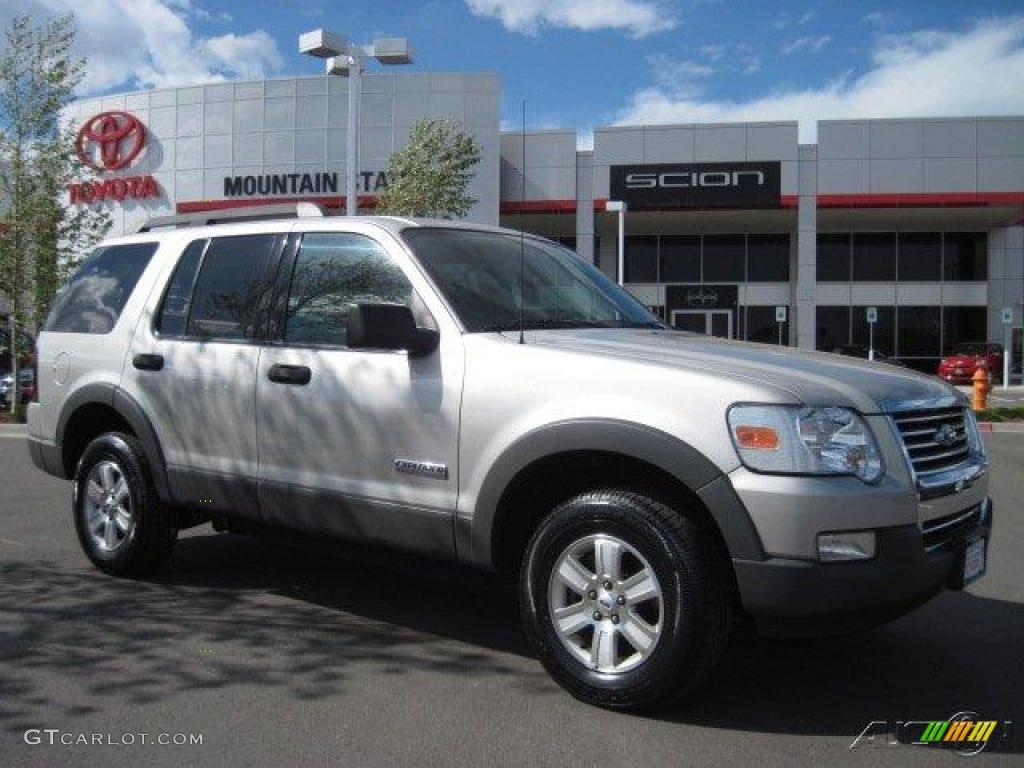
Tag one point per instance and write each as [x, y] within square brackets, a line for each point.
[1013, 413]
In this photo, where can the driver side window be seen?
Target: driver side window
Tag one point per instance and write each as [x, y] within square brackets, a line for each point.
[333, 271]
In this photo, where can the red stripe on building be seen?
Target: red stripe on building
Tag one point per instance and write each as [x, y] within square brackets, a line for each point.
[336, 201]
[922, 200]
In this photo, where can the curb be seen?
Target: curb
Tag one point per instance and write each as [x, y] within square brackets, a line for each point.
[1001, 426]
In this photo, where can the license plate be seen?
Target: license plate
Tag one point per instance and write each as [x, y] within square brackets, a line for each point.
[974, 560]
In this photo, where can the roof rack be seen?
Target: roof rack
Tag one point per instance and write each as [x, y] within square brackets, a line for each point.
[301, 210]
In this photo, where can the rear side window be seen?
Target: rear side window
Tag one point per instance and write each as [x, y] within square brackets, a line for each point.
[233, 287]
[92, 299]
[173, 315]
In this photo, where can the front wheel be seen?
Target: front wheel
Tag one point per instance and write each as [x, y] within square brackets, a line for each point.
[625, 600]
[122, 526]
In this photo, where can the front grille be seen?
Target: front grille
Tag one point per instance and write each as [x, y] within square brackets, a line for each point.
[947, 528]
[922, 431]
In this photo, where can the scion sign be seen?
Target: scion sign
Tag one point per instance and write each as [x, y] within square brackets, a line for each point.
[697, 185]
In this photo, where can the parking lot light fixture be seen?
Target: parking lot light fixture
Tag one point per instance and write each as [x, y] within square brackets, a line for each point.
[347, 60]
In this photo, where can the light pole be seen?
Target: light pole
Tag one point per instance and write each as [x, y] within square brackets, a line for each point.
[345, 59]
[619, 207]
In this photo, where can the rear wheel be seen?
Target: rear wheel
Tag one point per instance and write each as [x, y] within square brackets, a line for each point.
[625, 600]
[122, 526]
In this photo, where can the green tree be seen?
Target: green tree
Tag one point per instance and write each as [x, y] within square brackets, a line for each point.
[429, 177]
[39, 235]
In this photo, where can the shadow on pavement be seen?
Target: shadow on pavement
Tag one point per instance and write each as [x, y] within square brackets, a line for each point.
[303, 622]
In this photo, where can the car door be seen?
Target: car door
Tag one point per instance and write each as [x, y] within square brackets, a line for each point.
[193, 367]
[362, 443]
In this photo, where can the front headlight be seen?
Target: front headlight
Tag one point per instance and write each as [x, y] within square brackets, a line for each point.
[796, 440]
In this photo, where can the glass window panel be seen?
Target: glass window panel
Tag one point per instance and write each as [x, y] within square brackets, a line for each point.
[93, 297]
[833, 258]
[768, 258]
[333, 272]
[920, 257]
[960, 324]
[761, 326]
[885, 329]
[642, 259]
[233, 286]
[965, 256]
[833, 327]
[724, 257]
[874, 257]
[918, 331]
[680, 259]
[174, 311]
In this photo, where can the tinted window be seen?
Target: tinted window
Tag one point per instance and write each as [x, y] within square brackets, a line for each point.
[833, 258]
[173, 317]
[94, 296]
[884, 329]
[833, 327]
[680, 259]
[480, 274]
[768, 258]
[724, 257]
[761, 326]
[965, 256]
[960, 324]
[332, 272]
[642, 259]
[919, 332]
[874, 257]
[233, 286]
[920, 256]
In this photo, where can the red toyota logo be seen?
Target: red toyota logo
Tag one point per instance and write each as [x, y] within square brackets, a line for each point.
[110, 140]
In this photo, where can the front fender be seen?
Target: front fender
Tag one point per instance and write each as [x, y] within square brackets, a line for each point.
[475, 530]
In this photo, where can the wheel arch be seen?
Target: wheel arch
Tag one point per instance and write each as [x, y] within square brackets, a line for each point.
[99, 406]
[580, 452]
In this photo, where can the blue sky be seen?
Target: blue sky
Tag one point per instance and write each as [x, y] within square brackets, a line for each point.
[581, 63]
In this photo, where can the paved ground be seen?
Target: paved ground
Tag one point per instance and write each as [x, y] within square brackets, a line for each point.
[280, 659]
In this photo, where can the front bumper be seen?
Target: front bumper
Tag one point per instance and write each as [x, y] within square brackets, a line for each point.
[798, 597]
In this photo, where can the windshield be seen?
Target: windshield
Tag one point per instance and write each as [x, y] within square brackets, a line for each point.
[479, 274]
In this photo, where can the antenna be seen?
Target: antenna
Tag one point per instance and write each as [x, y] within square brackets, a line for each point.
[522, 236]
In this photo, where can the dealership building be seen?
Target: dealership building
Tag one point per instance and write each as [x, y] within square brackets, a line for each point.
[732, 229]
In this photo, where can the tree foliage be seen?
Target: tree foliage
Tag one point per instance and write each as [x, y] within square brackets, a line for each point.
[39, 235]
[430, 176]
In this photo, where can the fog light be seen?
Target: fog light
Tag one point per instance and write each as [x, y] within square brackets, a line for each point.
[834, 547]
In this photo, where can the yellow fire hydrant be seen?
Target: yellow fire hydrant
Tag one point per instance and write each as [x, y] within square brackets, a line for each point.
[980, 383]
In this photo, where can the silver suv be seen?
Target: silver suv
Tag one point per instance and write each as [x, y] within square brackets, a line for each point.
[474, 394]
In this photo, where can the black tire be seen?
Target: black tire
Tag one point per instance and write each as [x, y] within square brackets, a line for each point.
[696, 586]
[150, 541]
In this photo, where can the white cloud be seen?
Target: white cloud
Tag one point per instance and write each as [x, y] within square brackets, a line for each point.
[637, 17]
[811, 44]
[148, 43]
[927, 73]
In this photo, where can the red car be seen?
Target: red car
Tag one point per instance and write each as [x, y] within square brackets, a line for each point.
[959, 367]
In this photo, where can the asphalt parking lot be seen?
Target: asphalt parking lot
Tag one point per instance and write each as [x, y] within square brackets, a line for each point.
[279, 657]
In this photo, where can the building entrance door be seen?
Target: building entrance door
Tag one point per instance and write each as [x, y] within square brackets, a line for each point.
[713, 322]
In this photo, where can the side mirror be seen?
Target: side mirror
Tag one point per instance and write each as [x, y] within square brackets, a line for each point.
[388, 326]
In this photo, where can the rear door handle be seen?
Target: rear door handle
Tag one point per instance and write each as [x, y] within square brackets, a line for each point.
[148, 362]
[298, 375]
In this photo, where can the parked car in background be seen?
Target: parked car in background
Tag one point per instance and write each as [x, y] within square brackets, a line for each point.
[863, 354]
[959, 367]
[26, 387]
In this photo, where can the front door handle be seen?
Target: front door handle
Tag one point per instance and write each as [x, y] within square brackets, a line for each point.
[298, 375]
[148, 361]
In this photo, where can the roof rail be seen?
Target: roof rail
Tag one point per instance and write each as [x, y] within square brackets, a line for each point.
[300, 210]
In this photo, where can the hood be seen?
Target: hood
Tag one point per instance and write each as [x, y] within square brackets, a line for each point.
[812, 378]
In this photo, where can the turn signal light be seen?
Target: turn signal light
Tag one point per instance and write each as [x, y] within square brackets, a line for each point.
[757, 438]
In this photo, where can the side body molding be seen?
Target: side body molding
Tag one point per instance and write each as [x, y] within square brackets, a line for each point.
[475, 530]
[104, 393]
